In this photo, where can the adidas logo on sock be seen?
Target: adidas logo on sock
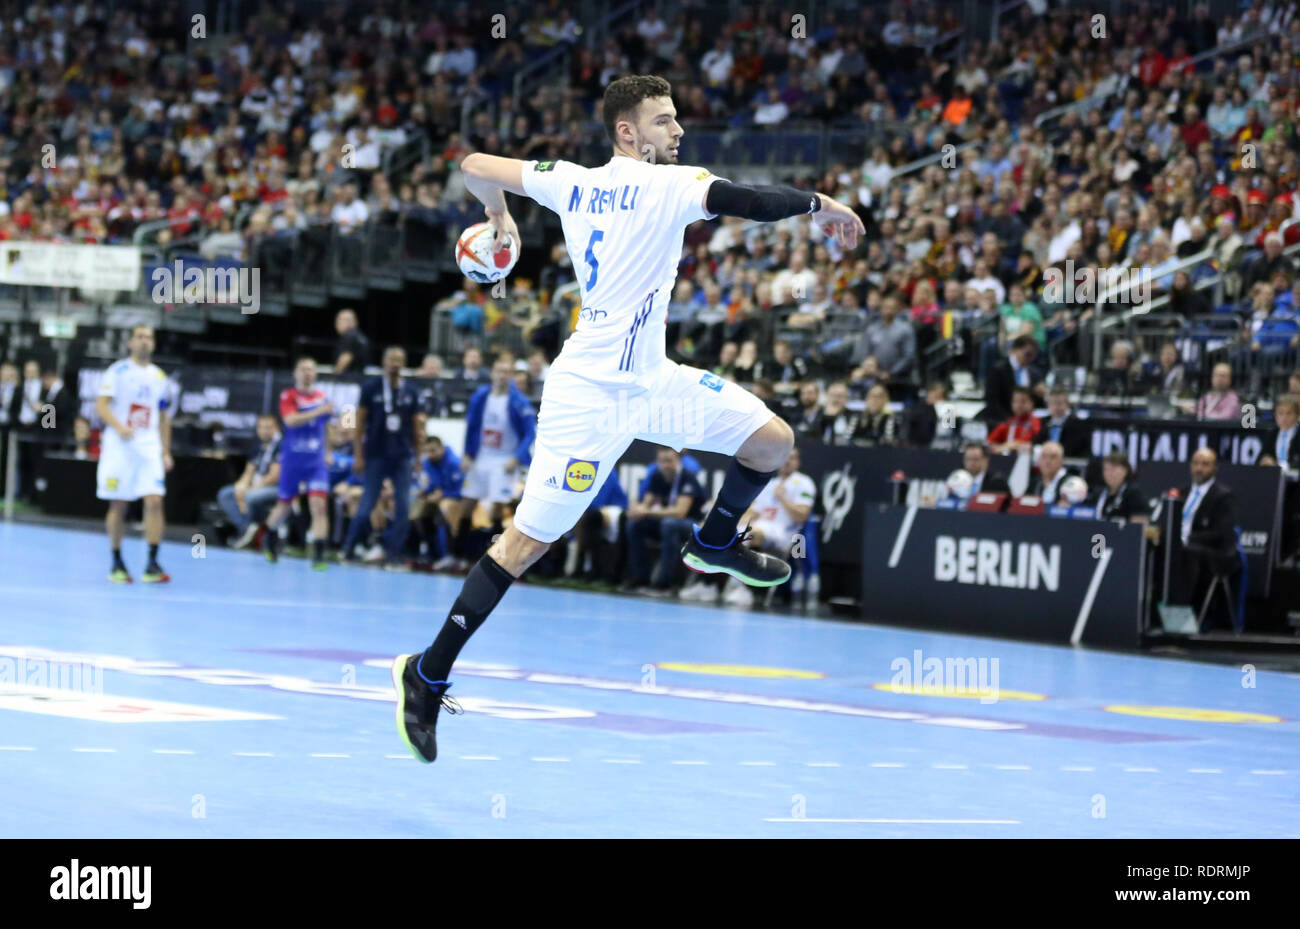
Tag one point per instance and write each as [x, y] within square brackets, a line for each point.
[459, 620]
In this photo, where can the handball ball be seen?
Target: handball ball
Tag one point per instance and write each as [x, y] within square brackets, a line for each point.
[960, 483]
[1074, 490]
[479, 261]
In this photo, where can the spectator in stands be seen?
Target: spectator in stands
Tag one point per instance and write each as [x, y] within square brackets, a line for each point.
[389, 428]
[59, 404]
[1118, 497]
[1119, 377]
[1167, 376]
[785, 371]
[1046, 481]
[472, 369]
[1021, 317]
[891, 340]
[975, 459]
[1012, 371]
[85, 442]
[672, 504]
[1220, 401]
[247, 502]
[746, 362]
[876, 424]
[838, 420]
[352, 351]
[809, 422]
[1061, 425]
[430, 366]
[1019, 432]
[1272, 263]
[921, 419]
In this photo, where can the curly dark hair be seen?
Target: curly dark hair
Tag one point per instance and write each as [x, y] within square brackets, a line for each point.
[624, 95]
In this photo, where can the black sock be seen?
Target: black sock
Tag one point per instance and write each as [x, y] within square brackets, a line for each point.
[485, 585]
[117, 559]
[740, 488]
[272, 540]
[318, 550]
[153, 554]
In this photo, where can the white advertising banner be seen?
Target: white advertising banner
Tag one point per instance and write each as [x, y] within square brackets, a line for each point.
[52, 264]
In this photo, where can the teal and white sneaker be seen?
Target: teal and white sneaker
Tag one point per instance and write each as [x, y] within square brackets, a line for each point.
[738, 560]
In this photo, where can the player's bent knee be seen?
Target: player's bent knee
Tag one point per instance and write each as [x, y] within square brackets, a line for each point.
[769, 447]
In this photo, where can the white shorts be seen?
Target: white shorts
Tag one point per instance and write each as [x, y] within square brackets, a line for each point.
[584, 427]
[489, 481]
[129, 470]
[777, 537]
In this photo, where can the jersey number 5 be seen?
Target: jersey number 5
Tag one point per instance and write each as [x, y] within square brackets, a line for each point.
[596, 236]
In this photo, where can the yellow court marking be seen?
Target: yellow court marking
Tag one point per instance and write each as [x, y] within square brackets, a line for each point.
[737, 670]
[1191, 713]
[965, 692]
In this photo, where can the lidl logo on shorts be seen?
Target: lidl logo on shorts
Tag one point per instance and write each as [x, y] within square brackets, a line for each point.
[712, 381]
[579, 475]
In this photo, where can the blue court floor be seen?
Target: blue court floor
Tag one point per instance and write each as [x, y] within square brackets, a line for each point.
[246, 699]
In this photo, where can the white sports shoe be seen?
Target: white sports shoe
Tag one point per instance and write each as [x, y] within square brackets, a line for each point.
[699, 592]
[738, 595]
[445, 563]
[247, 538]
[375, 555]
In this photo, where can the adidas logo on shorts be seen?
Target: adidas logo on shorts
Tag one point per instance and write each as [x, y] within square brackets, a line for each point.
[552, 482]
[458, 620]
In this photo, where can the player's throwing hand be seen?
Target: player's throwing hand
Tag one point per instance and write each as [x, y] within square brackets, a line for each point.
[838, 218]
[504, 230]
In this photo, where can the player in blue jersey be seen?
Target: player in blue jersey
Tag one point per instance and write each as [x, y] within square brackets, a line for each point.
[303, 467]
[612, 383]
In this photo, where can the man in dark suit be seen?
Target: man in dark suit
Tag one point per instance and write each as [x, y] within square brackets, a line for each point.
[1052, 472]
[1207, 522]
[975, 459]
[61, 402]
[1118, 497]
[1011, 372]
[11, 398]
[1282, 447]
[1060, 425]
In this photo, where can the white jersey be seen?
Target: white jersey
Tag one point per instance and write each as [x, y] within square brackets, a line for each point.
[138, 396]
[623, 226]
[497, 439]
[799, 491]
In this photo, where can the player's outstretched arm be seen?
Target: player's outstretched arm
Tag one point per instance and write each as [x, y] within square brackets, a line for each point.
[770, 203]
[487, 177]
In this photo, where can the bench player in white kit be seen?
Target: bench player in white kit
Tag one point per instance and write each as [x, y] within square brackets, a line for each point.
[612, 383]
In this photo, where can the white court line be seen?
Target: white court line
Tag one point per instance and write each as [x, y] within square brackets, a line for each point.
[1069, 767]
[407, 755]
[479, 758]
[688, 762]
[1204, 770]
[17, 748]
[888, 764]
[255, 754]
[765, 764]
[950, 767]
[963, 822]
[620, 761]
[172, 751]
[1142, 770]
[1260, 771]
[94, 749]
[1012, 767]
[822, 764]
[328, 755]
[551, 759]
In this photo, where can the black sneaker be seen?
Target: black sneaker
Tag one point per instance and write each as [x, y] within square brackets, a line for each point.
[737, 559]
[418, 703]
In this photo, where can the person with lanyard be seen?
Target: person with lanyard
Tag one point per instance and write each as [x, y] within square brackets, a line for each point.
[1118, 497]
[1046, 484]
[247, 501]
[1060, 425]
[389, 428]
